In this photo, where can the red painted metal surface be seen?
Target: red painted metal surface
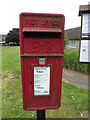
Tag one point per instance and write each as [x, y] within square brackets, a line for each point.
[41, 35]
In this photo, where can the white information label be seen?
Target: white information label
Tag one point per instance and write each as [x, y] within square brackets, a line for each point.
[41, 80]
[85, 51]
[86, 25]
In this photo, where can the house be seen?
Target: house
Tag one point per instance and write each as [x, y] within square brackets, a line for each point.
[74, 38]
[2, 40]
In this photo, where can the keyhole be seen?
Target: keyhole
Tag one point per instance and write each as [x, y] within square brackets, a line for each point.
[30, 83]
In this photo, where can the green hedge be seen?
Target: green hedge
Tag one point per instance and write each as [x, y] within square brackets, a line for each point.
[71, 61]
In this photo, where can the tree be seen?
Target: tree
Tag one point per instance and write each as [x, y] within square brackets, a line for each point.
[13, 36]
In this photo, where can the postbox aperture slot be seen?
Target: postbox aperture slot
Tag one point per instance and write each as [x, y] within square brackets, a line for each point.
[41, 35]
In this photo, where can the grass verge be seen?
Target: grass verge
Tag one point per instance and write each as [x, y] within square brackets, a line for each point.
[11, 59]
[74, 100]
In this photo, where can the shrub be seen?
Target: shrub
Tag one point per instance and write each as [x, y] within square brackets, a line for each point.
[71, 61]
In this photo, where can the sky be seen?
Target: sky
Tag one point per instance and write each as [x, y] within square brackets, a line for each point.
[11, 9]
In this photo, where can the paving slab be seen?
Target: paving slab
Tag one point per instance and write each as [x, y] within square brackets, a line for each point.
[76, 78]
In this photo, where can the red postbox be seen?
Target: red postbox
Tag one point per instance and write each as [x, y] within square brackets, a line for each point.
[41, 51]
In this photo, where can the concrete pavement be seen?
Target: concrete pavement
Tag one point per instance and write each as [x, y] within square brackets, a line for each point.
[76, 78]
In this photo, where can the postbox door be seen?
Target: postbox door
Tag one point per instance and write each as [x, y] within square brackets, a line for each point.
[44, 100]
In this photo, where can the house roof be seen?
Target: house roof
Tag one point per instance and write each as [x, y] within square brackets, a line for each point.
[74, 33]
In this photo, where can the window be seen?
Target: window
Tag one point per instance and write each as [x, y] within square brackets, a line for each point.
[72, 44]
